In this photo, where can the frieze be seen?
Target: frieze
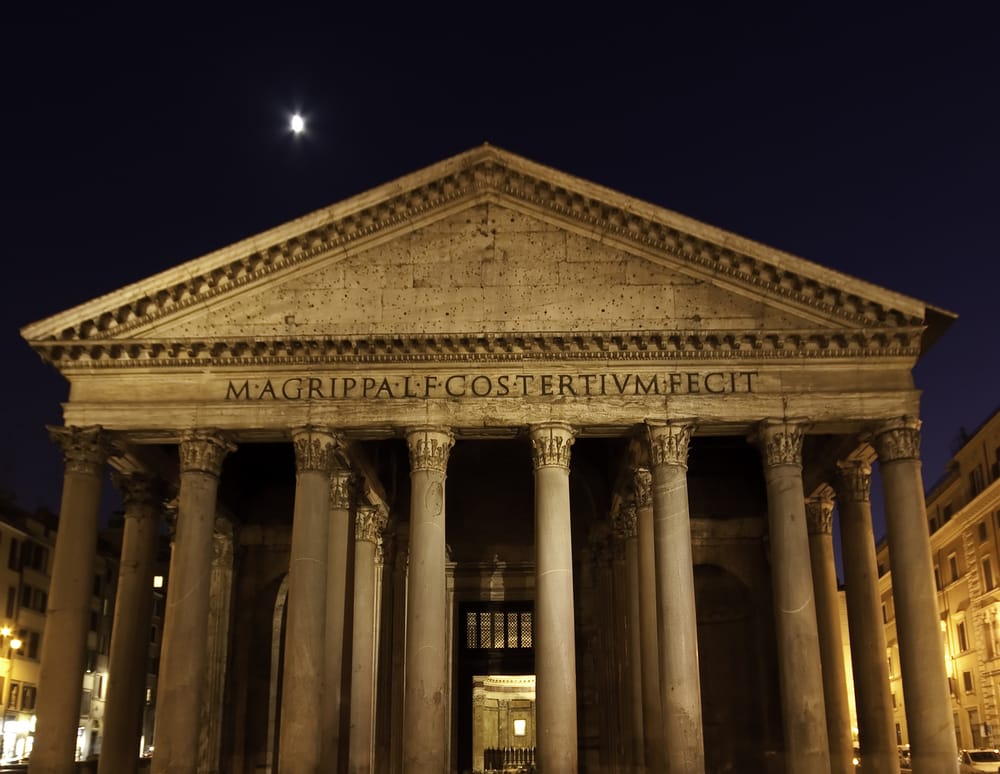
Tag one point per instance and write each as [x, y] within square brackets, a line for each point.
[898, 439]
[550, 445]
[464, 385]
[677, 345]
[488, 174]
[429, 448]
[85, 449]
[780, 442]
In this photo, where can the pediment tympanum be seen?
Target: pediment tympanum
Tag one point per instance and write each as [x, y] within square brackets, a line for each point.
[486, 251]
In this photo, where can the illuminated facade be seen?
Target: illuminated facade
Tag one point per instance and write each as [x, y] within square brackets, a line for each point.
[491, 463]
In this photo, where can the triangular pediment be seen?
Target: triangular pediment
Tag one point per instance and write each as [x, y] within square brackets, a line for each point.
[480, 246]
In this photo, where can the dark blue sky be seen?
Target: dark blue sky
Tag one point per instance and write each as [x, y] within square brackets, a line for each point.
[865, 141]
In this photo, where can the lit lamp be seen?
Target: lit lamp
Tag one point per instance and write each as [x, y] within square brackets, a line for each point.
[15, 645]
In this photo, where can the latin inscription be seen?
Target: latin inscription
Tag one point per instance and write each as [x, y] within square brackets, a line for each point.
[431, 386]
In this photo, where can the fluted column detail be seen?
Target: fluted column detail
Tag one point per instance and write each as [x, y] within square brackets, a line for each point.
[369, 524]
[425, 711]
[872, 693]
[64, 646]
[142, 495]
[680, 686]
[819, 513]
[300, 746]
[555, 650]
[183, 653]
[652, 714]
[799, 661]
[921, 651]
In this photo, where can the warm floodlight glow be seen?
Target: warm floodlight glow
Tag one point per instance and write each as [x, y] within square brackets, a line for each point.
[5, 631]
[15, 644]
[157, 581]
[298, 124]
[520, 727]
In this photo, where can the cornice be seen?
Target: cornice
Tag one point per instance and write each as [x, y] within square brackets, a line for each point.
[475, 176]
[681, 345]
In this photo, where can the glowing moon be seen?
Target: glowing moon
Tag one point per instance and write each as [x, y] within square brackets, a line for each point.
[298, 124]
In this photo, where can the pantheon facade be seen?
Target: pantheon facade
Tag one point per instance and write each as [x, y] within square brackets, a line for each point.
[493, 468]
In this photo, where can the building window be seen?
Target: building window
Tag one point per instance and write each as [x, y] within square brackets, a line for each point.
[885, 614]
[967, 681]
[988, 581]
[953, 567]
[12, 562]
[11, 601]
[498, 627]
[963, 640]
[946, 513]
[894, 701]
[982, 532]
[976, 481]
[28, 693]
[937, 577]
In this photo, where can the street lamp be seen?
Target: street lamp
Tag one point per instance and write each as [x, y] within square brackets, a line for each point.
[15, 645]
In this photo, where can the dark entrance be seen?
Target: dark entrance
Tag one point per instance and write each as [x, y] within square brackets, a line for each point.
[494, 638]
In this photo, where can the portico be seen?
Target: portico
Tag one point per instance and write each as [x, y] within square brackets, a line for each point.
[489, 382]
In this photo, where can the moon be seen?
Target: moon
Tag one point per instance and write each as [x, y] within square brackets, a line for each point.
[297, 124]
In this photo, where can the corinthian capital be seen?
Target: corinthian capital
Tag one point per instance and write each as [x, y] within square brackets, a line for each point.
[854, 481]
[314, 449]
[897, 439]
[369, 523]
[203, 451]
[550, 445]
[624, 522]
[139, 490]
[429, 448]
[642, 483]
[341, 489]
[780, 441]
[819, 511]
[85, 449]
[668, 442]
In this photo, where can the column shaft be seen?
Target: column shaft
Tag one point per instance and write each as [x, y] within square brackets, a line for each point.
[555, 650]
[921, 651]
[425, 700]
[182, 653]
[127, 664]
[680, 678]
[649, 627]
[336, 693]
[799, 663]
[64, 645]
[368, 526]
[626, 527]
[302, 674]
[872, 695]
[819, 510]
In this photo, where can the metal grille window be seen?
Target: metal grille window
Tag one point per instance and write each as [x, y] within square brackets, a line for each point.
[494, 628]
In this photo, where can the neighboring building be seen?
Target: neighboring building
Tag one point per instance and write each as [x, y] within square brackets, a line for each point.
[578, 375]
[963, 517]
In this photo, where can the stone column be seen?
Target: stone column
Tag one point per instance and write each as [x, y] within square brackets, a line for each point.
[819, 514]
[872, 695]
[649, 627]
[425, 723]
[626, 530]
[302, 673]
[335, 692]
[799, 664]
[143, 496]
[368, 528]
[554, 636]
[64, 646]
[182, 651]
[921, 651]
[680, 680]
[216, 647]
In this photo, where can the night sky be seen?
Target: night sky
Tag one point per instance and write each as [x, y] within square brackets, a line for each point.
[867, 141]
